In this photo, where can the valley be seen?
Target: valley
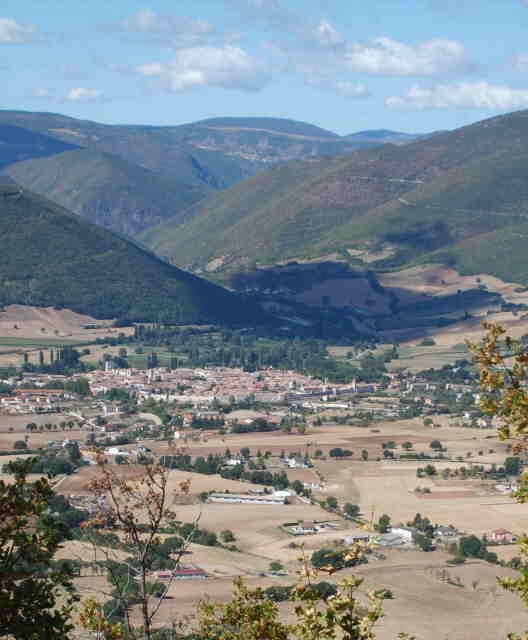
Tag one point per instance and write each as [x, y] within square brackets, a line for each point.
[467, 502]
[278, 322]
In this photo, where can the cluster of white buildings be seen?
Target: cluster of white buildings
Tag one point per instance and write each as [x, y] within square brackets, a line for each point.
[277, 497]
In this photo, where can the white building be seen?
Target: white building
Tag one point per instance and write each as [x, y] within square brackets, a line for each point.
[282, 493]
[357, 535]
[405, 533]
[244, 498]
[116, 451]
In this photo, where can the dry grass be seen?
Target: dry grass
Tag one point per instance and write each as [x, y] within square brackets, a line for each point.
[425, 604]
[43, 324]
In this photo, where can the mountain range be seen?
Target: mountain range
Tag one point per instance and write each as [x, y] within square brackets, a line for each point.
[130, 178]
[438, 199]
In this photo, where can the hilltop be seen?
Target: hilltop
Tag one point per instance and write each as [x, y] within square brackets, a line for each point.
[277, 125]
[391, 207]
[52, 258]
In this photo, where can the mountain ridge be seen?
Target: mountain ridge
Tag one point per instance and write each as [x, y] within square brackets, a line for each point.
[393, 197]
[53, 258]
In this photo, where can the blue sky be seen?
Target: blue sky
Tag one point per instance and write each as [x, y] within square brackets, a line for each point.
[345, 65]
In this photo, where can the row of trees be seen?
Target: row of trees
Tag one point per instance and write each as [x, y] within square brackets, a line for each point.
[251, 351]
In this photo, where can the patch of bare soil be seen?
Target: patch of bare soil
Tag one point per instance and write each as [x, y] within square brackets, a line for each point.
[20, 321]
[443, 495]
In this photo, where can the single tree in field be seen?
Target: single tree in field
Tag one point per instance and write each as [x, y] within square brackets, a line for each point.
[384, 523]
[227, 536]
[352, 510]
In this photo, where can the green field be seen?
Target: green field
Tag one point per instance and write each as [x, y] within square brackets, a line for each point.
[40, 342]
[418, 358]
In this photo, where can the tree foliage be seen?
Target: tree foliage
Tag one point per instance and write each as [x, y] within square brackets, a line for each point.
[503, 363]
[36, 596]
[139, 507]
[320, 612]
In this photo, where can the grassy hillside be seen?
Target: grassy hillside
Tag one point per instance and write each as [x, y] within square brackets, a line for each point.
[485, 195]
[51, 257]
[105, 189]
[419, 201]
[501, 253]
[215, 224]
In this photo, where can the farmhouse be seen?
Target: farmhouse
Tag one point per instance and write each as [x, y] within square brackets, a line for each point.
[445, 532]
[182, 572]
[390, 540]
[246, 498]
[357, 535]
[503, 535]
[298, 463]
[405, 533]
[301, 529]
[116, 451]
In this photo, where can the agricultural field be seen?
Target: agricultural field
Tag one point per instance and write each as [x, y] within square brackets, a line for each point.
[432, 598]
[429, 594]
[29, 330]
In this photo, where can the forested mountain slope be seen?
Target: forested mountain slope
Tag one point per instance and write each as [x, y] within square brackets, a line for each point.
[416, 202]
[51, 257]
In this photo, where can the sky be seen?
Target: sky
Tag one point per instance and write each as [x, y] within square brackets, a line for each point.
[344, 65]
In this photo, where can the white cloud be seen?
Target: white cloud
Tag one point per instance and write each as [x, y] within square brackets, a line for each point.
[178, 31]
[228, 67]
[388, 57]
[520, 61]
[13, 32]
[350, 89]
[42, 92]
[325, 34]
[343, 87]
[464, 95]
[82, 94]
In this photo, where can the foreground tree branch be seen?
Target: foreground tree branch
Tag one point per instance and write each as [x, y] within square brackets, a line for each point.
[137, 508]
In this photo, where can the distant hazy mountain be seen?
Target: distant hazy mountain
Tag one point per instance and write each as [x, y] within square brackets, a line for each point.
[377, 137]
[51, 257]
[459, 197]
